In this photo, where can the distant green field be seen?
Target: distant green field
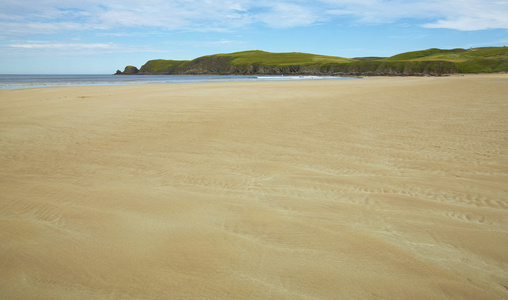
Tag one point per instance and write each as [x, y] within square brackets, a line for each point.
[429, 54]
[258, 57]
[479, 60]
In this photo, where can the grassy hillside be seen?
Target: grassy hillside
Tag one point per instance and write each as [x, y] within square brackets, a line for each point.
[161, 66]
[247, 62]
[451, 55]
[425, 62]
[479, 60]
[426, 55]
[258, 57]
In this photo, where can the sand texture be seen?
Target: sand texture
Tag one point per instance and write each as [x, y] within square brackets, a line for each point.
[379, 188]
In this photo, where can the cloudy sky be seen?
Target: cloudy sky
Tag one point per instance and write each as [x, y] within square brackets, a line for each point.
[99, 37]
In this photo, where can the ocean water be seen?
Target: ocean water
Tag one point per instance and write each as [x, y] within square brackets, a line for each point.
[35, 81]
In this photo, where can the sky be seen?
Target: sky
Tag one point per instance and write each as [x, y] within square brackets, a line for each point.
[102, 36]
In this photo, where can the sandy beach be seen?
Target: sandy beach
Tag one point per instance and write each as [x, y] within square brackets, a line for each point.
[377, 188]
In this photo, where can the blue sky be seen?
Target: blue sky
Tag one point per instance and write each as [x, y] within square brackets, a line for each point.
[99, 37]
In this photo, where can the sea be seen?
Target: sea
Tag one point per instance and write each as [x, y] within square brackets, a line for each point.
[37, 81]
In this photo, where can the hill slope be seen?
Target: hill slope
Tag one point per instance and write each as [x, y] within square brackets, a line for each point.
[425, 62]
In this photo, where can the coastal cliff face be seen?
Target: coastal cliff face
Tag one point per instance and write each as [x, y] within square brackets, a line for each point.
[434, 62]
[222, 67]
[380, 68]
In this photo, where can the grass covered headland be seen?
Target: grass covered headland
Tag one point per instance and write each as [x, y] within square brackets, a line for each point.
[426, 62]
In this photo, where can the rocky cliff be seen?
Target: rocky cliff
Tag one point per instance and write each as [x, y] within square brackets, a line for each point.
[433, 62]
[360, 68]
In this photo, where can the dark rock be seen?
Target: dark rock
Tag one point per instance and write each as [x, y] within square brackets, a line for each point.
[130, 70]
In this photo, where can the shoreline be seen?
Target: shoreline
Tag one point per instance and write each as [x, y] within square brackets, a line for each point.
[36, 81]
[390, 187]
[243, 78]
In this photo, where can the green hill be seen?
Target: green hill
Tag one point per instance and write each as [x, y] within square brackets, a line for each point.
[478, 60]
[247, 62]
[427, 55]
[424, 62]
[258, 57]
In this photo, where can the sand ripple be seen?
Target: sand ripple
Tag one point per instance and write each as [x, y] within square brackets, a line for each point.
[377, 188]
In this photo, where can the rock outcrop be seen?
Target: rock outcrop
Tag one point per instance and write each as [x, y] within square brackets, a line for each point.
[129, 70]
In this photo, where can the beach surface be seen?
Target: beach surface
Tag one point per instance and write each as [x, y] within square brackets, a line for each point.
[377, 188]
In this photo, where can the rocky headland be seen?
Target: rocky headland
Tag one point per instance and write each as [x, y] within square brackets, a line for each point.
[433, 62]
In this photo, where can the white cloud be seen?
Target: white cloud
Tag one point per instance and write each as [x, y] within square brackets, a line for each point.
[28, 17]
[65, 46]
[57, 49]
[451, 14]
[469, 23]
[286, 15]
[474, 15]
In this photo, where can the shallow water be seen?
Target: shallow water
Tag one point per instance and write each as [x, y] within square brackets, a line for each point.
[35, 81]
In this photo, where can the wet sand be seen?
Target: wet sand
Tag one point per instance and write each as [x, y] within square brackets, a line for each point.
[392, 188]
